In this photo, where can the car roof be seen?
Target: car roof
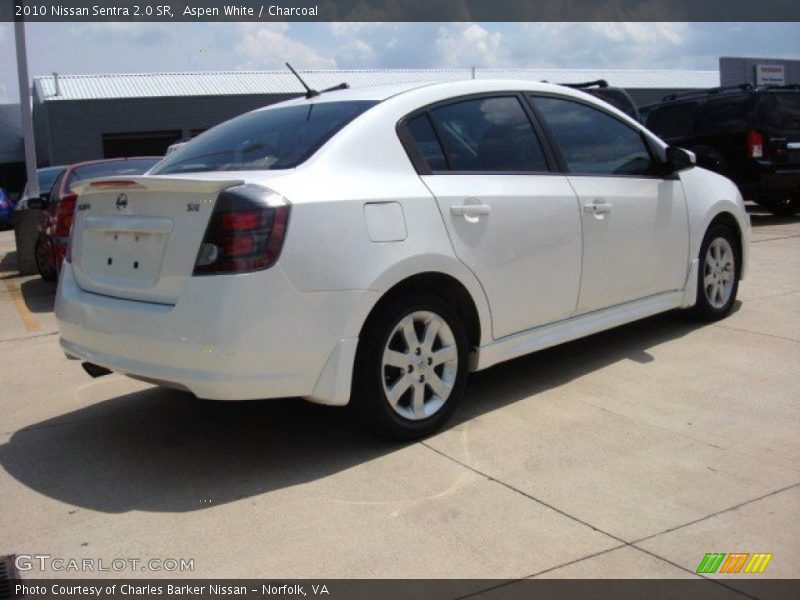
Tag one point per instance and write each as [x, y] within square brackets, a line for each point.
[723, 94]
[376, 93]
[384, 92]
[443, 88]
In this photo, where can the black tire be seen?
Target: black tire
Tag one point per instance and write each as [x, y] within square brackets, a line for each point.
[783, 208]
[46, 271]
[369, 399]
[704, 309]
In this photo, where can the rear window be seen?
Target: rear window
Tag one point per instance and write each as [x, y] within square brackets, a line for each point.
[131, 166]
[47, 177]
[781, 110]
[277, 138]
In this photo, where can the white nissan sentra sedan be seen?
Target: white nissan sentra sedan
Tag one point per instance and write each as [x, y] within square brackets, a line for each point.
[371, 247]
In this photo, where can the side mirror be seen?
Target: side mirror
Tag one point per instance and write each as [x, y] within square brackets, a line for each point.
[679, 159]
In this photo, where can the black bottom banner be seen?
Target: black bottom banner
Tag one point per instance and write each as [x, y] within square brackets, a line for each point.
[418, 589]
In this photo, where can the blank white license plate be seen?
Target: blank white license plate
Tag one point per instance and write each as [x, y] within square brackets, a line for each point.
[123, 256]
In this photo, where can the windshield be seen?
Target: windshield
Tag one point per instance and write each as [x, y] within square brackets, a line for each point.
[128, 166]
[278, 138]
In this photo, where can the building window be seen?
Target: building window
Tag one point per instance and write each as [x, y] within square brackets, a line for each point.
[144, 143]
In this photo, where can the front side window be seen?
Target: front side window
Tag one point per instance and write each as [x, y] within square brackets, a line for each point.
[276, 138]
[592, 141]
[488, 135]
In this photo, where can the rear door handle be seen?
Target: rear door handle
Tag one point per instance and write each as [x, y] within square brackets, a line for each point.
[597, 208]
[470, 210]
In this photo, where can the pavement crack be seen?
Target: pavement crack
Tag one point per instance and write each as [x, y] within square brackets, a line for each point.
[771, 335]
[24, 338]
[775, 295]
[775, 239]
[623, 543]
[709, 516]
[595, 554]
[698, 575]
[577, 560]
[523, 493]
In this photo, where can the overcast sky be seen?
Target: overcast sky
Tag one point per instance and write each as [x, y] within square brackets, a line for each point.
[152, 47]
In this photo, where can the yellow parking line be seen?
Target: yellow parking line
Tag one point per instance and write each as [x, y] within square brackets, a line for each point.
[28, 318]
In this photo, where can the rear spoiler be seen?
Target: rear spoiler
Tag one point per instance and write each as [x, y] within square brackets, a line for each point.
[153, 184]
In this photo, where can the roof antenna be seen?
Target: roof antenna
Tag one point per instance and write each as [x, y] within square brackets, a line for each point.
[310, 92]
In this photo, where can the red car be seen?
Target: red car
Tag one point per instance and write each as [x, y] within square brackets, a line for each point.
[51, 245]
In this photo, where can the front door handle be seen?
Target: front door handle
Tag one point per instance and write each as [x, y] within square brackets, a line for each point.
[597, 208]
[470, 210]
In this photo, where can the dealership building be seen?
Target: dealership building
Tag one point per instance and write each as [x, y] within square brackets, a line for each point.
[81, 117]
[84, 117]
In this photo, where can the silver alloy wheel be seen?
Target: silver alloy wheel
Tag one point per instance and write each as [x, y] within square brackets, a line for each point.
[419, 366]
[719, 272]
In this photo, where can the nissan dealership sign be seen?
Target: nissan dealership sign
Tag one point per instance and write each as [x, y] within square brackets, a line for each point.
[770, 75]
[765, 70]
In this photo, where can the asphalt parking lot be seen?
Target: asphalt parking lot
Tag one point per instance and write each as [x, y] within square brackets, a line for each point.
[628, 454]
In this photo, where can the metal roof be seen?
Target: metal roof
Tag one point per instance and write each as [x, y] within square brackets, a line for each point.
[224, 83]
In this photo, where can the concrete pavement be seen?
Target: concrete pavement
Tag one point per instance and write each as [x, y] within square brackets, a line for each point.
[629, 454]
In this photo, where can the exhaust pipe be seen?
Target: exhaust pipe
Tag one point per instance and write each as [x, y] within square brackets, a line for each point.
[95, 370]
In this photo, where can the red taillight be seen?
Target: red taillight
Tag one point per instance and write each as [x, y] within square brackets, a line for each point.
[243, 221]
[755, 144]
[245, 233]
[64, 211]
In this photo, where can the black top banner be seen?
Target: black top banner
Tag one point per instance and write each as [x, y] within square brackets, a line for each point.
[398, 10]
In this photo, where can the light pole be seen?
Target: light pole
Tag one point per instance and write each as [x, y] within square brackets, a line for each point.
[25, 109]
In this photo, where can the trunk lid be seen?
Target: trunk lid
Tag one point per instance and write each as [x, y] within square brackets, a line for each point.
[137, 238]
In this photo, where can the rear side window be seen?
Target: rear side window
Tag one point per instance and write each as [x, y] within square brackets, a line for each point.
[276, 138]
[488, 135]
[592, 141]
[673, 122]
[781, 110]
[425, 140]
[725, 115]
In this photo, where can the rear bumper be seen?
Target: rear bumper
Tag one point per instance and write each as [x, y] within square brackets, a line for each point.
[773, 183]
[229, 337]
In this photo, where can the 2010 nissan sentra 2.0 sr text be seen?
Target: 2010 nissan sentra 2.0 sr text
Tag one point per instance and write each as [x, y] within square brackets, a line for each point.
[373, 246]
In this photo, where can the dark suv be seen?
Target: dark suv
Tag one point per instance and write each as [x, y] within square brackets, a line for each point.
[749, 134]
[616, 97]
